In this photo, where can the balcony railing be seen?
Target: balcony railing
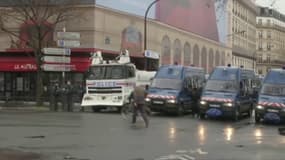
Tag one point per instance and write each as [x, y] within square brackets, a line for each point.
[270, 26]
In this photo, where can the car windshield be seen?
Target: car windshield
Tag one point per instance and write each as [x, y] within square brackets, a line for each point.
[107, 72]
[273, 89]
[167, 84]
[221, 86]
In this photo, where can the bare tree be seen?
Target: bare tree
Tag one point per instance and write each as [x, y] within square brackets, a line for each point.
[40, 18]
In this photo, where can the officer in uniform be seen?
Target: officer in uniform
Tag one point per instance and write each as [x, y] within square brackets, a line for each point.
[67, 96]
[54, 96]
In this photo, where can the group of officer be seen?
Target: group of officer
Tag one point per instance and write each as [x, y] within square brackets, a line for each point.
[62, 94]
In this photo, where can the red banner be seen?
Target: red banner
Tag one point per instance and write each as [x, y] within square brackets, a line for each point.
[197, 16]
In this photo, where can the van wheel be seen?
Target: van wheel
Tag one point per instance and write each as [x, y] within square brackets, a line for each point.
[257, 118]
[180, 111]
[236, 115]
[250, 110]
[202, 115]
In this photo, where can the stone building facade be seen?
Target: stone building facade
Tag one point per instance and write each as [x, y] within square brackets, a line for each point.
[242, 32]
[270, 40]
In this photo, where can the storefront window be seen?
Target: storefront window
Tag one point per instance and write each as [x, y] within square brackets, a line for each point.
[19, 84]
[2, 82]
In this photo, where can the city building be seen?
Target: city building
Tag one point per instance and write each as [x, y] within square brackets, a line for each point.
[270, 39]
[110, 31]
[242, 32]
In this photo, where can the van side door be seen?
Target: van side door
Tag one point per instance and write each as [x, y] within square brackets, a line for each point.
[244, 95]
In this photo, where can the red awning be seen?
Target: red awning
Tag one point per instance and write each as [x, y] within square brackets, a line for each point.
[28, 64]
[18, 64]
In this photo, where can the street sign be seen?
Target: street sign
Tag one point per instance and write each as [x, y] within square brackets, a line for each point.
[68, 43]
[151, 54]
[68, 35]
[58, 67]
[57, 51]
[56, 59]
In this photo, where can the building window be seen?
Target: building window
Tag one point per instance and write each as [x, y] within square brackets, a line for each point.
[269, 46]
[177, 51]
[260, 46]
[166, 50]
[268, 34]
[107, 40]
[2, 82]
[268, 59]
[259, 21]
[260, 34]
[268, 22]
[187, 54]
[259, 58]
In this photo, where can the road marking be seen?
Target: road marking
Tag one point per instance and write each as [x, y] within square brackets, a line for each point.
[188, 157]
[199, 150]
[181, 151]
[176, 157]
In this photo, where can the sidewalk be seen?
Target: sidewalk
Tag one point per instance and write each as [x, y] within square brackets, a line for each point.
[22, 106]
[28, 106]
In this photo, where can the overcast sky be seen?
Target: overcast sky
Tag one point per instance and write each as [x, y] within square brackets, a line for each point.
[279, 4]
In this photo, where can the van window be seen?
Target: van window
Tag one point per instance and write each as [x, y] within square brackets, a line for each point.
[131, 72]
[221, 86]
[169, 72]
[172, 84]
[275, 78]
[227, 74]
[273, 89]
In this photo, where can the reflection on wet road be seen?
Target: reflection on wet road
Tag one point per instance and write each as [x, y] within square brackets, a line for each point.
[107, 136]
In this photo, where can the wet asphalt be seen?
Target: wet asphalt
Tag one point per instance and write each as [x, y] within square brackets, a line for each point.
[108, 136]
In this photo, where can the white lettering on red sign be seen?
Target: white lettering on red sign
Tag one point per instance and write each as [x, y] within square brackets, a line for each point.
[25, 67]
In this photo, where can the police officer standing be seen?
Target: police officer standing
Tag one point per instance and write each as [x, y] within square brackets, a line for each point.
[54, 96]
[67, 96]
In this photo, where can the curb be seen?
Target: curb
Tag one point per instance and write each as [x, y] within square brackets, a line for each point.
[40, 109]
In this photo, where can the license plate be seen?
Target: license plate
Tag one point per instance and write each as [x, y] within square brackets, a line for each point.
[273, 110]
[157, 102]
[215, 105]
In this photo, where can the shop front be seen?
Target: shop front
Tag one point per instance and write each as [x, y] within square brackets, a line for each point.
[18, 73]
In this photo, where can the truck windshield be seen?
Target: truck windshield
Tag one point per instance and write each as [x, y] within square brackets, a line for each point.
[221, 86]
[107, 72]
[173, 84]
[273, 89]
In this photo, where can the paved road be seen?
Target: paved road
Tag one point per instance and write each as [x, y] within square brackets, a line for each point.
[106, 136]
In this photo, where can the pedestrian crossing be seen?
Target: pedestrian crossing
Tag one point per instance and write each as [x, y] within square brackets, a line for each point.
[176, 157]
[183, 155]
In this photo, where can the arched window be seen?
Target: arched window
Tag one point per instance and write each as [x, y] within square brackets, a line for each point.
[187, 54]
[211, 60]
[196, 56]
[217, 58]
[223, 58]
[204, 58]
[177, 51]
[165, 50]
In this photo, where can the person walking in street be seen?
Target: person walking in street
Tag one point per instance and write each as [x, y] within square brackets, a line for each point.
[139, 104]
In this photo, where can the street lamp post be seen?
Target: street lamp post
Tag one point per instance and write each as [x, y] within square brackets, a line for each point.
[145, 29]
[145, 20]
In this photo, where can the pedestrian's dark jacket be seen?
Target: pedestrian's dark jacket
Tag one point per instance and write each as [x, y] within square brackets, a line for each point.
[55, 90]
[139, 95]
